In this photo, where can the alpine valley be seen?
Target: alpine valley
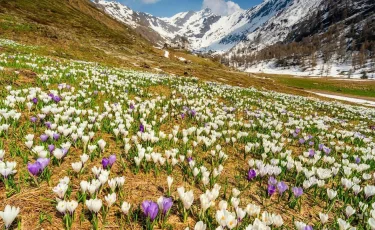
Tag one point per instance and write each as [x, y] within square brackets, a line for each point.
[298, 35]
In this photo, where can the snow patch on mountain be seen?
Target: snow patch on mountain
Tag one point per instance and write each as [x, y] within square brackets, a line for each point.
[282, 16]
[118, 11]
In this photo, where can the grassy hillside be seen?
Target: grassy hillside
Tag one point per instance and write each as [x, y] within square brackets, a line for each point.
[69, 28]
[71, 131]
[62, 118]
[76, 29]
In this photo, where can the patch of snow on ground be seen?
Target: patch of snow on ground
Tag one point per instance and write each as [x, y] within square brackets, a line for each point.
[166, 53]
[181, 58]
[343, 98]
[333, 69]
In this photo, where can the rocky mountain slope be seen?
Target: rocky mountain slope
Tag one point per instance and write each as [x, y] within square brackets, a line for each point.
[207, 32]
[335, 39]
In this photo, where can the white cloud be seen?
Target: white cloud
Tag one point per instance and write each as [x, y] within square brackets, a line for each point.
[221, 7]
[149, 1]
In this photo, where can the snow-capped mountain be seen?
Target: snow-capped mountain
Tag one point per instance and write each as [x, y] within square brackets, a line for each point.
[231, 30]
[206, 31]
[328, 38]
[190, 25]
[153, 28]
[244, 31]
[282, 16]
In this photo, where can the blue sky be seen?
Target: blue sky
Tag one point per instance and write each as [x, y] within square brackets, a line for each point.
[167, 8]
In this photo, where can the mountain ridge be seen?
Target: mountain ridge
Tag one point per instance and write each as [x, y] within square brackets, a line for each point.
[204, 30]
[275, 30]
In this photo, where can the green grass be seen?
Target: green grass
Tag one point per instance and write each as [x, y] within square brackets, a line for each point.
[356, 88]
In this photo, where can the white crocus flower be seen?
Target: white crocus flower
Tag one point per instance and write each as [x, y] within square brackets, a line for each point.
[61, 206]
[331, 193]
[323, 217]
[102, 144]
[369, 190]
[200, 226]
[349, 211]
[9, 214]
[71, 206]
[371, 222]
[58, 153]
[125, 207]
[187, 198]
[60, 190]
[343, 225]
[110, 199]
[77, 166]
[84, 158]
[94, 205]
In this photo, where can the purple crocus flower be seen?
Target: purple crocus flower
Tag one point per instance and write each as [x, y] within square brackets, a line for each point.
[111, 159]
[189, 159]
[142, 128]
[47, 124]
[44, 137]
[33, 119]
[132, 106]
[311, 153]
[105, 162]
[357, 160]
[56, 136]
[272, 180]
[326, 150]
[321, 146]
[65, 151]
[34, 168]
[57, 99]
[43, 162]
[308, 227]
[271, 189]
[182, 115]
[311, 143]
[166, 204]
[251, 174]
[301, 141]
[150, 209]
[35, 100]
[282, 187]
[193, 112]
[51, 148]
[297, 191]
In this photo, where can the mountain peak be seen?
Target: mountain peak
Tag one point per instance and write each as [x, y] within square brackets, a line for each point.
[207, 10]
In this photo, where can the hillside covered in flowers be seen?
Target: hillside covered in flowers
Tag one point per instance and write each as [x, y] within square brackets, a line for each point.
[88, 146]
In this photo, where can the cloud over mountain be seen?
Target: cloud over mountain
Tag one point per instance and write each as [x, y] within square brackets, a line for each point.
[221, 7]
[149, 1]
